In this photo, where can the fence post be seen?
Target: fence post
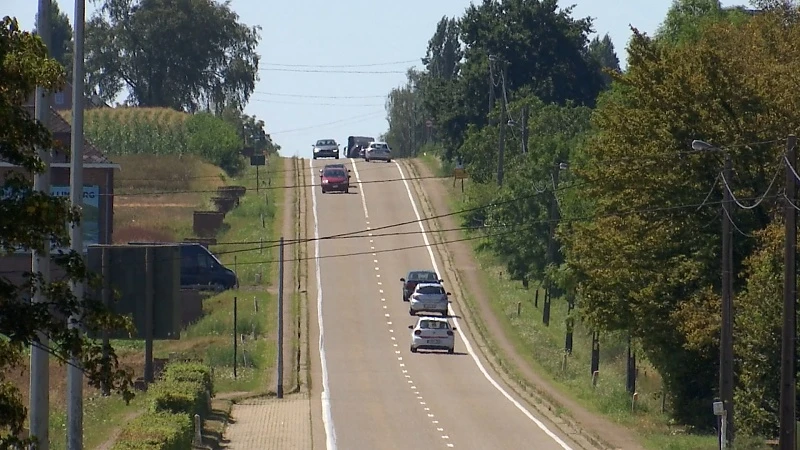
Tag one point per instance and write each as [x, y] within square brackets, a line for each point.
[235, 337]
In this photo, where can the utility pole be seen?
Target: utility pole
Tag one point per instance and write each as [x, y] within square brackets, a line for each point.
[788, 420]
[551, 242]
[503, 124]
[491, 86]
[525, 113]
[279, 390]
[39, 407]
[726, 330]
[74, 370]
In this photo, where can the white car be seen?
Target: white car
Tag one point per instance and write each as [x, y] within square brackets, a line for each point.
[378, 151]
[429, 297]
[432, 333]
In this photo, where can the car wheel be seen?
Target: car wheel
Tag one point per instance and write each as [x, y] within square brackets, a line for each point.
[451, 350]
[444, 314]
[410, 312]
[388, 160]
[413, 350]
[366, 159]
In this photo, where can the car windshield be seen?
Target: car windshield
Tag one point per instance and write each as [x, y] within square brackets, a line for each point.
[434, 325]
[326, 142]
[430, 290]
[423, 276]
[336, 173]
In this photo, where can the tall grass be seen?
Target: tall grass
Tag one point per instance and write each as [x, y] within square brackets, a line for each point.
[164, 132]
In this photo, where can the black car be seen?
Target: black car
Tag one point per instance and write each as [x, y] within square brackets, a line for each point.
[415, 277]
[200, 269]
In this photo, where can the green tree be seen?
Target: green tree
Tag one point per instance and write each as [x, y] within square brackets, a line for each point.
[603, 54]
[61, 43]
[406, 115]
[687, 18]
[188, 55]
[648, 261]
[27, 219]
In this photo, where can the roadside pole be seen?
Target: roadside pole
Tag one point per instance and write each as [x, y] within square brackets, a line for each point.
[788, 415]
[74, 369]
[279, 390]
[39, 407]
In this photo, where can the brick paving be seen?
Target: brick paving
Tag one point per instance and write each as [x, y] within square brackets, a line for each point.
[271, 424]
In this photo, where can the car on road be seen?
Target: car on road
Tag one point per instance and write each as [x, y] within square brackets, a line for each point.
[335, 166]
[429, 297]
[417, 276]
[326, 148]
[379, 151]
[335, 179]
[432, 333]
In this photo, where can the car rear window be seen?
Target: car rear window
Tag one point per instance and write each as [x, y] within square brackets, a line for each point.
[430, 290]
[326, 142]
[434, 325]
[334, 173]
[423, 276]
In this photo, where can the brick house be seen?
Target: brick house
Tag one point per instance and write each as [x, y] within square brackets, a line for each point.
[98, 176]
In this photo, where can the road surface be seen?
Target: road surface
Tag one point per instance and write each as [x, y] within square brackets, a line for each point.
[369, 391]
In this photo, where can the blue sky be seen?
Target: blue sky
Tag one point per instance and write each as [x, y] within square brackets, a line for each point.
[300, 107]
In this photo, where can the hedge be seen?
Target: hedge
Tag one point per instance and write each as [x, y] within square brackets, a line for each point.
[190, 371]
[179, 397]
[157, 431]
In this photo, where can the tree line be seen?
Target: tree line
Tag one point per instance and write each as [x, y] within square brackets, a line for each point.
[194, 56]
[607, 158]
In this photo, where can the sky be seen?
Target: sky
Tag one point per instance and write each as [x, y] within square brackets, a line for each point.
[300, 96]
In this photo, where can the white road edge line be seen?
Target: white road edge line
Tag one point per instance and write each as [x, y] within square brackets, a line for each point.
[327, 417]
[361, 191]
[467, 344]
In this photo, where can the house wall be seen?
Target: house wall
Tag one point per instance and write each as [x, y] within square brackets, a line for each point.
[10, 266]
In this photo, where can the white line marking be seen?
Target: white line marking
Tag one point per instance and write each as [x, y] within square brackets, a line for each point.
[380, 284]
[402, 365]
[391, 331]
[449, 445]
[434, 421]
[431, 415]
[377, 274]
[440, 429]
[327, 417]
[360, 189]
[445, 437]
[467, 344]
[381, 291]
[371, 241]
[387, 315]
[388, 323]
[375, 261]
[427, 409]
[377, 268]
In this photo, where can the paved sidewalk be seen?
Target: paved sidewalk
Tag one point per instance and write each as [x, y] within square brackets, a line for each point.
[271, 423]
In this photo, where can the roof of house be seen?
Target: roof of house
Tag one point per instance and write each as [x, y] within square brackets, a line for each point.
[59, 126]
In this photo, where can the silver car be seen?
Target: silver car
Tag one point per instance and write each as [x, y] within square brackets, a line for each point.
[429, 297]
[432, 333]
[326, 148]
[379, 151]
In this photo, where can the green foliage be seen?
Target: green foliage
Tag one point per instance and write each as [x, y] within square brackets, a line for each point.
[162, 131]
[61, 43]
[188, 56]
[194, 372]
[156, 431]
[179, 397]
[686, 20]
[28, 219]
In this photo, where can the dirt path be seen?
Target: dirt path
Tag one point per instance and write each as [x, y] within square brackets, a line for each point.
[601, 431]
[289, 228]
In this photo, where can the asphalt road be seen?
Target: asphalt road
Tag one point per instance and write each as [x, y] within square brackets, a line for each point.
[369, 390]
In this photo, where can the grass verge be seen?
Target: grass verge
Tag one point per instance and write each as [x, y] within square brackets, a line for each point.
[543, 347]
[168, 217]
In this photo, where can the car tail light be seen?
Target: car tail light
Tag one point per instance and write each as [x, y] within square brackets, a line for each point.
[449, 332]
[417, 333]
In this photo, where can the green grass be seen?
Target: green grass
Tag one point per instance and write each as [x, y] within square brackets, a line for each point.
[211, 338]
[543, 347]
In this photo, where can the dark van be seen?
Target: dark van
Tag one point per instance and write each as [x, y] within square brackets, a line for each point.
[200, 269]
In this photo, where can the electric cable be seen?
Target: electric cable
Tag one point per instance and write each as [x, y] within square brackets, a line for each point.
[390, 63]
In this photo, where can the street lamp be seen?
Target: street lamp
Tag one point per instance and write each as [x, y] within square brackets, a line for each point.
[726, 328]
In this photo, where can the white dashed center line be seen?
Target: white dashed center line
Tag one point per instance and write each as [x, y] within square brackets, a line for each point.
[410, 382]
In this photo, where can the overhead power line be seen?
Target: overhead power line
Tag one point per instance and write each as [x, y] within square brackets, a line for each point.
[279, 102]
[390, 63]
[278, 94]
[376, 72]
[349, 119]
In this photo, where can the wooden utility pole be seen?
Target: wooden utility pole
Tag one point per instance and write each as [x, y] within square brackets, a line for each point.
[726, 329]
[503, 124]
[788, 419]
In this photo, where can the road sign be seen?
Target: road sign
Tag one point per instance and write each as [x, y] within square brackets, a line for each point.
[460, 173]
[258, 160]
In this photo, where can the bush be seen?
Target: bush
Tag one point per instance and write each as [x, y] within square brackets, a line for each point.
[190, 371]
[156, 431]
[188, 397]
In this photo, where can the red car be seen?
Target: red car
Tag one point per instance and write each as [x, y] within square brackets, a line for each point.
[335, 179]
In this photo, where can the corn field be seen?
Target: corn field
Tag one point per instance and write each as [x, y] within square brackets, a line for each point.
[165, 132]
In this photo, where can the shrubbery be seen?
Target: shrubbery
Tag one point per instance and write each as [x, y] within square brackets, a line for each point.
[174, 400]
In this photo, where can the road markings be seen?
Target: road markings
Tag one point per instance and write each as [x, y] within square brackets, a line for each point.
[394, 344]
[460, 331]
[327, 417]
